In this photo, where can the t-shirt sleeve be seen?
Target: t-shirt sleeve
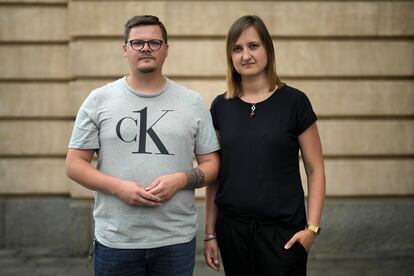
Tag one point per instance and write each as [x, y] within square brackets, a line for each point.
[85, 134]
[305, 114]
[214, 112]
[206, 138]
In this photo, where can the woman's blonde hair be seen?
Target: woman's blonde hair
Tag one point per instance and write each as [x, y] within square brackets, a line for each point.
[234, 88]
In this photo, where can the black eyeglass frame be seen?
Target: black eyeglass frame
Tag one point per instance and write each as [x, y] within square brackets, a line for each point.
[148, 42]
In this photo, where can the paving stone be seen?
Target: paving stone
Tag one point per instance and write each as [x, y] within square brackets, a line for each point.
[41, 266]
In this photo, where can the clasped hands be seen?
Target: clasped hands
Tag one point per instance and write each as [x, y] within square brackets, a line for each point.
[159, 191]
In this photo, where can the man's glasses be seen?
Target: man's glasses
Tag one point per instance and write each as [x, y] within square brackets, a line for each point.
[138, 44]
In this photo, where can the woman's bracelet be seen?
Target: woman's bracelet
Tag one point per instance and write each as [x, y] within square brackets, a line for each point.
[209, 237]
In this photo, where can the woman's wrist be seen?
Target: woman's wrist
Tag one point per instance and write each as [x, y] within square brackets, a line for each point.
[209, 237]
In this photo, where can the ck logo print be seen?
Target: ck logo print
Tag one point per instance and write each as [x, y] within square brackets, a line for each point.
[143, 132]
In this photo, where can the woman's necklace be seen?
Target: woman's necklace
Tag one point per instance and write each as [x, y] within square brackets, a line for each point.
[258, 100]
[253, 108]
[253, 105]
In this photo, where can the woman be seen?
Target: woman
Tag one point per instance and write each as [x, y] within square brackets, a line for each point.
[256, 214]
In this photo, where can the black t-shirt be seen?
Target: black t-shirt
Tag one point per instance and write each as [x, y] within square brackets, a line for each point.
[259, 174]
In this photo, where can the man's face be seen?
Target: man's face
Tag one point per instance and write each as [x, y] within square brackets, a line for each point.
[145, 60]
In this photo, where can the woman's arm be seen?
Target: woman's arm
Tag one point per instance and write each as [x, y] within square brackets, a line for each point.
[210, 246]
[311, 149]
[312, 157]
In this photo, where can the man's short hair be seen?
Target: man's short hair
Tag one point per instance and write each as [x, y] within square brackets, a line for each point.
[144, 20]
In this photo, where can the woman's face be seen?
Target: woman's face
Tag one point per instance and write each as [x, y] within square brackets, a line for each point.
[249, 54]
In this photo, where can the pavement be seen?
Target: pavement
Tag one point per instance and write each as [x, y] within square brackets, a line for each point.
[20, 263]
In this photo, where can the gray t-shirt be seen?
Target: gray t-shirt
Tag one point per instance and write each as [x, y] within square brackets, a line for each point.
[139, 138]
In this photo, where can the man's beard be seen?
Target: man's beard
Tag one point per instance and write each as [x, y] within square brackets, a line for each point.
[147, 70]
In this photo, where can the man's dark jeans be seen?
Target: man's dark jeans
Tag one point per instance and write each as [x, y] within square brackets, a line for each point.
[172, 260]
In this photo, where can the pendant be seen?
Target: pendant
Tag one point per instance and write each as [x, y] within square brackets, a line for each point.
[253, 108]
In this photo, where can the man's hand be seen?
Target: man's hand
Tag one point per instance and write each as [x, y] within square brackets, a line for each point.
[304, 237]
[166, 186]
[211, 254]
[135, 194]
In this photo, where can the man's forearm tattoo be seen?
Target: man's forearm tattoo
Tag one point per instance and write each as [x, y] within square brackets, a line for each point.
[195, 179]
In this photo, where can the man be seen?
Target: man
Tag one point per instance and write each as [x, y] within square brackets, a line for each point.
[145, 129]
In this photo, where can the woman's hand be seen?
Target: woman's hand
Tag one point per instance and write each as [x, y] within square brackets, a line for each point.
[211, 255]
[304, 237]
